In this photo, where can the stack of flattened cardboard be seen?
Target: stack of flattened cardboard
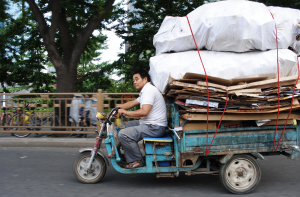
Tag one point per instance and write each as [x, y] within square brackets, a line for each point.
[251, 101]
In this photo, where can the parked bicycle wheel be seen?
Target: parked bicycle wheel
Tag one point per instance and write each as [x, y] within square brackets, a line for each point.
[16, 121]
[60, 124]
[44, 122]
[5, 120]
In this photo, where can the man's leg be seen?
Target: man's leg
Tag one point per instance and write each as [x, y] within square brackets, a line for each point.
[132, 123]
[128, 141]
[130, 137]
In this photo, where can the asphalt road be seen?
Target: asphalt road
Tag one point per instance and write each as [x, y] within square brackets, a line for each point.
[48, 172]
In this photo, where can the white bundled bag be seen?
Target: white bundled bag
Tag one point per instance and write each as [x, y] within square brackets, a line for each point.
[236, 26]
[226, 65]
[288, 26]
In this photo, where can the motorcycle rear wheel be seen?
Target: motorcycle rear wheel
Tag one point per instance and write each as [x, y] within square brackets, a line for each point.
[97, 172]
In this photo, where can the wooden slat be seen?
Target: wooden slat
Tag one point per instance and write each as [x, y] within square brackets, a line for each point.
[203, 83]
[9, 105]
[252, 90]
[32, 105]
[270, 82]
[46, 96]
[188, 85]
[232, 117]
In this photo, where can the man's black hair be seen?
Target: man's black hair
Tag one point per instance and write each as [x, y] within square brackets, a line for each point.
[142, 73]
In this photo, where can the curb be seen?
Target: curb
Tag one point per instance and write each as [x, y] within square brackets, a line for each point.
[47, 142]
[51, 142]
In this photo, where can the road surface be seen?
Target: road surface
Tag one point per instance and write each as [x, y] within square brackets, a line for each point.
[34, 171]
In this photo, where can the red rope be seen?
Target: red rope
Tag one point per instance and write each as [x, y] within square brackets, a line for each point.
[206, 81]
[219, 124]
[278, 85]
[207, 151]
[291, 106]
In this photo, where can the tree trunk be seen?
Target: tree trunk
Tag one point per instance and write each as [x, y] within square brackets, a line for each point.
[66, 82]
[66, 78]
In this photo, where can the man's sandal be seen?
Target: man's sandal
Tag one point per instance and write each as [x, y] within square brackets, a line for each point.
[136, 164]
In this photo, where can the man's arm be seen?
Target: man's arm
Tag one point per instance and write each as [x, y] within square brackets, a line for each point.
[144, 111]
[129, 104]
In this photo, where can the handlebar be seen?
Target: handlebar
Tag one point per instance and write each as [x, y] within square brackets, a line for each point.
[107, 119]
[117, 109]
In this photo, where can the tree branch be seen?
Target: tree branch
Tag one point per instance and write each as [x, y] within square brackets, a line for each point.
[84, 35]
[87, 4]
[55, 8]
[38, 17]
[64, 34]
[49, 44]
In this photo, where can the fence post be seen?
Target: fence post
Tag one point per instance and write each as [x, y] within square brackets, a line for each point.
[100, 102]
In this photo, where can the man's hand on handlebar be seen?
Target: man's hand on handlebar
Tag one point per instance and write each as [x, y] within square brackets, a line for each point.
[122, 111]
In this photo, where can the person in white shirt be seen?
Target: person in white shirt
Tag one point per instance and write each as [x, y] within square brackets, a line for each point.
[153, 114]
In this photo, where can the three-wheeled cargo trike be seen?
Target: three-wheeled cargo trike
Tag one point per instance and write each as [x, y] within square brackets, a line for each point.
[233, 154]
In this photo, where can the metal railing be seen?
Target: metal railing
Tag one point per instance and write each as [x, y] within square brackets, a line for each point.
[63, 113]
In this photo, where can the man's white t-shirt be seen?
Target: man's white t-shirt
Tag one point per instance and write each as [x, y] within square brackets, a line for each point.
[158, 114]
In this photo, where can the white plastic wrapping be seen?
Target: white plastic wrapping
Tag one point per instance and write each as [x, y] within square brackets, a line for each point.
[287, 19]
[237, 26]
[226, 65]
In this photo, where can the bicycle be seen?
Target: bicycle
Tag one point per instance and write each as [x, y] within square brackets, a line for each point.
[16, 118]
[27, 119]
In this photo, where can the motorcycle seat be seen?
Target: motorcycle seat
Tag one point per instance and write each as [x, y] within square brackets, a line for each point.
[165, 138]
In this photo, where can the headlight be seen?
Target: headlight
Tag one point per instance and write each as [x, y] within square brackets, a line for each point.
[101, 115]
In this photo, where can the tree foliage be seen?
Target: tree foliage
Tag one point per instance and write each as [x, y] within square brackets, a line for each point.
[141, 25]
[281, 3]
[22, 56]
[64, 29]
[92, 75]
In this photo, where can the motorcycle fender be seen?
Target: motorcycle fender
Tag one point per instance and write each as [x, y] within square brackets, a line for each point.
[98, 152]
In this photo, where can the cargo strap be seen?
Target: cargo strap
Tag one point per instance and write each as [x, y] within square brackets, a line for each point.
[279, 94]
[290, 108]
[207, 149]
[278, 85]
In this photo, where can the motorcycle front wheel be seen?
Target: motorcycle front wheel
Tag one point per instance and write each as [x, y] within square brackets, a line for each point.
[95, 174]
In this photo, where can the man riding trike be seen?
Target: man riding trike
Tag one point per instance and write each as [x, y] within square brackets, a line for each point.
[152, 124]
